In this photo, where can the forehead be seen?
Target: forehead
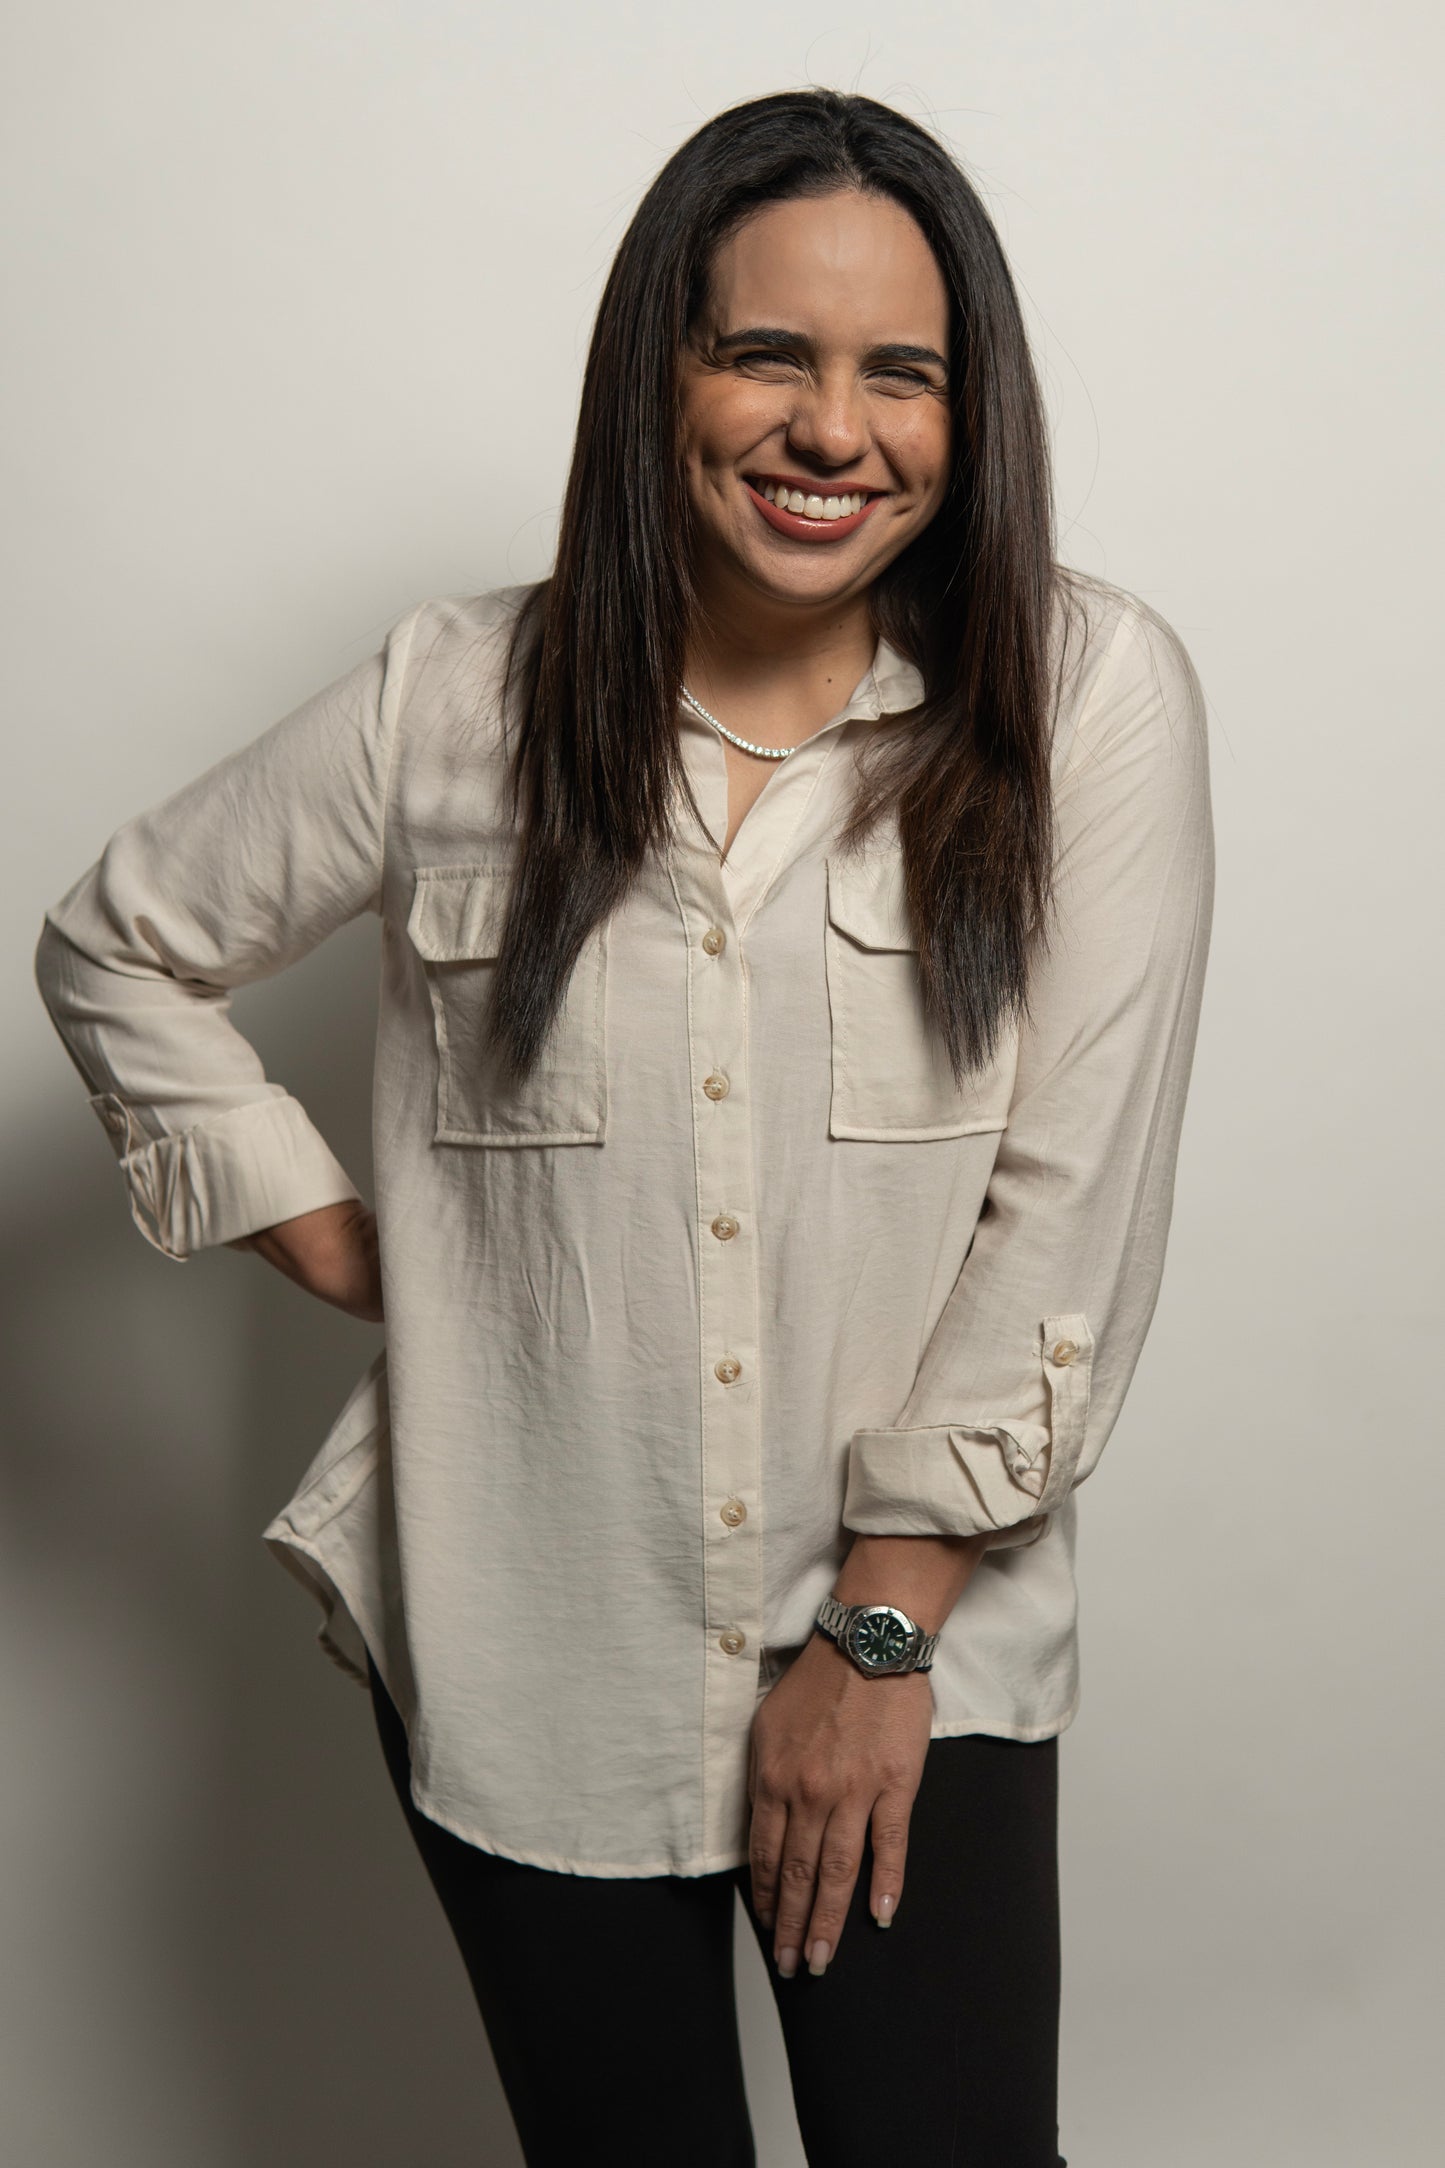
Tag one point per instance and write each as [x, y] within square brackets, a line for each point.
[858, 259]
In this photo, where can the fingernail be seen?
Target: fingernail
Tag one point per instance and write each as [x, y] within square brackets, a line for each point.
[787, 1963]
[884, 1914]
[818, 1959]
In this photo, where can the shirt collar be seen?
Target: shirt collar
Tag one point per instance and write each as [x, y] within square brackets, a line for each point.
[893, 683]
[889, 686]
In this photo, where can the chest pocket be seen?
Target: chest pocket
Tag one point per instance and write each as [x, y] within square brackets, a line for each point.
[455, 926]
[891, 1076]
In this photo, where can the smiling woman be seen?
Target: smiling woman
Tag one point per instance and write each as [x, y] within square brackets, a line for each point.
[810, 294]
[842, 370]
[794, 918]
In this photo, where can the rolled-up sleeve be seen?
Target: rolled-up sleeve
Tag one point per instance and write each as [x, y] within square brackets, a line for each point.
[230, 879]
[1024, 1374]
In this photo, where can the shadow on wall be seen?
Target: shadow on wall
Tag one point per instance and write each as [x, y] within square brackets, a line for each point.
[228, 1948]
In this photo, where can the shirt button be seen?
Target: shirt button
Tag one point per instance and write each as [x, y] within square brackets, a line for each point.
[1064, 1351]
[734, 1512]
[714, 940]
[729, 1369]
[716, 1085]
[725, 1227]
[732, 1643]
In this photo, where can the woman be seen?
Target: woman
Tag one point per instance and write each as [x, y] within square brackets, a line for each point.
[794, 915]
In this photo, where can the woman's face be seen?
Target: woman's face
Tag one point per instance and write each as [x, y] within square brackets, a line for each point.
[817, 370]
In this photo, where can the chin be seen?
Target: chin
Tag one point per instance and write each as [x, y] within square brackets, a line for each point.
[818, 591]
[808, 568]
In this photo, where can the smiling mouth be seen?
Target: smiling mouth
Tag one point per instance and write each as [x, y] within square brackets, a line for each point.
[808, 500]
[819, 517]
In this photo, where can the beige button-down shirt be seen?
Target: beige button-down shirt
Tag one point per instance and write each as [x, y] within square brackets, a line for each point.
[738, 1271]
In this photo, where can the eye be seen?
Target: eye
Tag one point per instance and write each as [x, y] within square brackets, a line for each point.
[912, 379]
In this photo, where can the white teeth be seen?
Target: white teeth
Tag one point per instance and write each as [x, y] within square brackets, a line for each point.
[812, 506]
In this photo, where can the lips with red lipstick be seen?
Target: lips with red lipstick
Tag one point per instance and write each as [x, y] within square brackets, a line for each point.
[793, 506]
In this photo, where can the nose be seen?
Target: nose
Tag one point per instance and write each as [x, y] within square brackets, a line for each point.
[828, 423]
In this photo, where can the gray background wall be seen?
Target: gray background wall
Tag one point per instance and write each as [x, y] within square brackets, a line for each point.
[298, 295]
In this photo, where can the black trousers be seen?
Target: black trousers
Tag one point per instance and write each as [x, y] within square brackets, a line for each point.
[609, 2003]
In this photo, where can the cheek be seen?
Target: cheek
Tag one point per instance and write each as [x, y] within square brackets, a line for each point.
[919, 446]
[722, 422]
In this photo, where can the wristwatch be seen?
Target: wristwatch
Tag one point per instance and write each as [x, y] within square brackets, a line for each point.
[881, 1640]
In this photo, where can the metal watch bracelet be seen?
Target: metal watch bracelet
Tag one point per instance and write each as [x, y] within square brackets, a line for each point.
[836, 1620]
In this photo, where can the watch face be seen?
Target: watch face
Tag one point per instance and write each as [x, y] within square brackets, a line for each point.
[881, 1639]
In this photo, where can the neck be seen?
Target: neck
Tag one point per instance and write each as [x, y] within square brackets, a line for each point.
[796, 666]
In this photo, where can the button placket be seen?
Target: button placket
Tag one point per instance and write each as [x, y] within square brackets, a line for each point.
[727, 1351]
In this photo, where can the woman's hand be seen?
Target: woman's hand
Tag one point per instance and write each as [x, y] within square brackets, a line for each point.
[331, 1252]
[833, 1755]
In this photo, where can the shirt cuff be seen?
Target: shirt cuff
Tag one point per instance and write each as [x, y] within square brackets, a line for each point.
[949, 1480]
[230, 1176]
[1001, 1475]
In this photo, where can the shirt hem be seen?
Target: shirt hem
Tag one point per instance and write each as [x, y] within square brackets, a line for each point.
[968, 1726]
[559, 1863]
[710, 1862]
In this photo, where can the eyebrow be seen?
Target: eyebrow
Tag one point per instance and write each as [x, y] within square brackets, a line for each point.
[770, 335]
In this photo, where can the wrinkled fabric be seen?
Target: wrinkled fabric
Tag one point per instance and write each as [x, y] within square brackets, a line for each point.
[738, 1272]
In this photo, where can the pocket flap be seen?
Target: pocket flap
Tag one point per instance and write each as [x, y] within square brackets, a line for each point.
[457, 912]
[866, 901]
[892, 1079]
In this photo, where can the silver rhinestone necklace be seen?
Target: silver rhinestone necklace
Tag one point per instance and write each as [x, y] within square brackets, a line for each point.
[764, 752]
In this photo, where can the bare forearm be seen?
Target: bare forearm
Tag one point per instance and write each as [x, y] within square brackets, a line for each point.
[331, 1252]
[922, 1575]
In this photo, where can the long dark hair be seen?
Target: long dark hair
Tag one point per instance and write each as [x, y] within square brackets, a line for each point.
[596, 653]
